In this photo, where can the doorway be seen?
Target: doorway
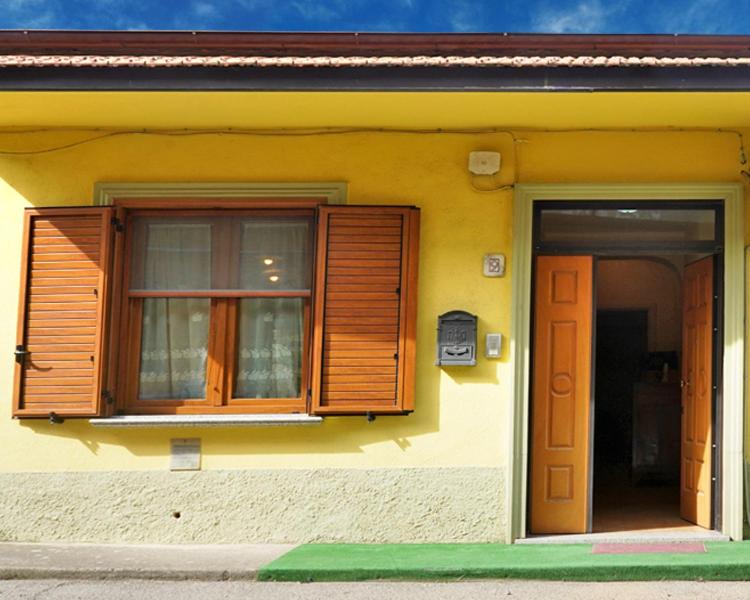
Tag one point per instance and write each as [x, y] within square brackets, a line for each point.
[623, 428]
[637, 394]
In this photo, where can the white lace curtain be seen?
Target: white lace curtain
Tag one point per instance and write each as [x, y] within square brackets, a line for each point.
[270, 343]
[274, 254]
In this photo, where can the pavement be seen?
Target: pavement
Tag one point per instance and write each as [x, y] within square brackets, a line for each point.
[121, 561]
[720, 561]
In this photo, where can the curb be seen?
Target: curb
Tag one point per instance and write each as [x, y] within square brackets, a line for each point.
[588, 574]
[15, 573]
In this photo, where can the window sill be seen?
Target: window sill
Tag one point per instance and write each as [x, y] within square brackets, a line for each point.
[252, 420]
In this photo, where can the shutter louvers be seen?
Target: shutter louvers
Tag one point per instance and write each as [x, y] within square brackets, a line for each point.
[365, 310]
[65, 269]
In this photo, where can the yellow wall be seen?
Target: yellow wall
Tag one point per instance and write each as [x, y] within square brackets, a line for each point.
[460, 417]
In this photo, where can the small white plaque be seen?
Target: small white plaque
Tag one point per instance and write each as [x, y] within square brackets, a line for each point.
[494, 265]
[185, 454]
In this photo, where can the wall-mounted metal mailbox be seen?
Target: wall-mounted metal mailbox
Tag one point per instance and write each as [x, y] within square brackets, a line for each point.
[457, 339]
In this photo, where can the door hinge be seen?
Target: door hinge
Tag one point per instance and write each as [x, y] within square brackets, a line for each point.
[119, 225]
[20, 354]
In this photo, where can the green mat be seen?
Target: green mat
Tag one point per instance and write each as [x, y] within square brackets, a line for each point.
[729, 561]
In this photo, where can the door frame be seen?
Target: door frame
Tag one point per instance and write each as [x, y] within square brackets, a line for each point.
[732, 333]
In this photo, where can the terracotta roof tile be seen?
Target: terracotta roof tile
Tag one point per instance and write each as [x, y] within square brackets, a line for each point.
[158, 61]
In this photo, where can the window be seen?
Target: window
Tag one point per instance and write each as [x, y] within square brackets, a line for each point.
[616, 226]
[241, 280]
[300, 309]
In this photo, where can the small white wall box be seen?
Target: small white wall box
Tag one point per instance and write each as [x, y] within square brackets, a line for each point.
[494, 265]
[484, 163]
[185, 454]
[493, 345]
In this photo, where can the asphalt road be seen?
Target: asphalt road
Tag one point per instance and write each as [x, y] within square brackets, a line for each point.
[469, 590]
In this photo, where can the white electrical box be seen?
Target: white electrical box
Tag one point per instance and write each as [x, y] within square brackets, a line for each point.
[493, 345]
[484, 163]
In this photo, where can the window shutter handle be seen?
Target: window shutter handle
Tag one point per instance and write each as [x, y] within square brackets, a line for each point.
[20, 354]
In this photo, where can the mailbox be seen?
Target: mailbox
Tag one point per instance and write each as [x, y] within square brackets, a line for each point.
[457, 339]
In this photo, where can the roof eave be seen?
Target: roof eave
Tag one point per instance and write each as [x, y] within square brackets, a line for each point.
[367, 44]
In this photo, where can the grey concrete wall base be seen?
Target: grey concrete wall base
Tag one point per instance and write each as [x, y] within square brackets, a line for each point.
[417, 505]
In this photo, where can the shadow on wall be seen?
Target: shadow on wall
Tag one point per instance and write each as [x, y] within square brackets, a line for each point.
[348, 435]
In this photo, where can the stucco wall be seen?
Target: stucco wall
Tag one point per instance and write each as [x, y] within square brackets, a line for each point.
[257, 505]
[460, 425]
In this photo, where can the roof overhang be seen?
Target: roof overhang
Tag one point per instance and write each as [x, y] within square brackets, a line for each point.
[234, 61]
[476, 112]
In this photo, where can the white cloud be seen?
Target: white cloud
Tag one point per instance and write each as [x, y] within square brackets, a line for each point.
[588, 16]
[315, 10]
[205, 10]
[44, 20]
[699, 16]
[130, 25]
[28, 14]
[21, 5]
[466, 16]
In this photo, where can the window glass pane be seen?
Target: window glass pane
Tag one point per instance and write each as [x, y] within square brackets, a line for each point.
[269, 354]
[627, 225]
[275, 254]
[175, 255]
[174, 347]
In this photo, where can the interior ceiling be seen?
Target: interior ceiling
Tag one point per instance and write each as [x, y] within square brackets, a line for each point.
[413, 110]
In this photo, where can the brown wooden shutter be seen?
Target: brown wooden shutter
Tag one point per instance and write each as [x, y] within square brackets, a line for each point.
[64, 281]
[365, 310]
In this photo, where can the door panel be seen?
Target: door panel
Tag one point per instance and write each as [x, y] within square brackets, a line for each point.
[561, 394]
[697, 377]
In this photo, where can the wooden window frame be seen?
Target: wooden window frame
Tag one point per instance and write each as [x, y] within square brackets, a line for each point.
[222, 341]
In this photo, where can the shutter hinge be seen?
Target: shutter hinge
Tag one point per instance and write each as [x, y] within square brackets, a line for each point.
[20, 354]
[398, 291]
[119, 225]
[395, 356]
[108, 397]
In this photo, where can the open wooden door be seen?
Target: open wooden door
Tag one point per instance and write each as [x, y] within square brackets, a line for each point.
[697, 378]
[561, 395]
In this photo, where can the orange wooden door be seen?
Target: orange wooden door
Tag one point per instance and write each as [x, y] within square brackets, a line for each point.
[697, 377]
[561, 395]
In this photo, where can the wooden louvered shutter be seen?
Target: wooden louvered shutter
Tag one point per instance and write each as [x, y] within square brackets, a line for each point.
[365, 310]
[64, 280]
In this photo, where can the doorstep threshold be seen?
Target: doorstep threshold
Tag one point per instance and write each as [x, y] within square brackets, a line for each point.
[239, 420]
[655, 536]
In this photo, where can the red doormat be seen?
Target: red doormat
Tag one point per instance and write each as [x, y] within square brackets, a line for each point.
[674, 548]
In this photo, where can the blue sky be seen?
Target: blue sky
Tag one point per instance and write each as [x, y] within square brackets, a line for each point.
[558, 16]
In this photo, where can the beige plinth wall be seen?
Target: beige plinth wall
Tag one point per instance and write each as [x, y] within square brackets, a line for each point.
[734, 317]
[255, 506]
